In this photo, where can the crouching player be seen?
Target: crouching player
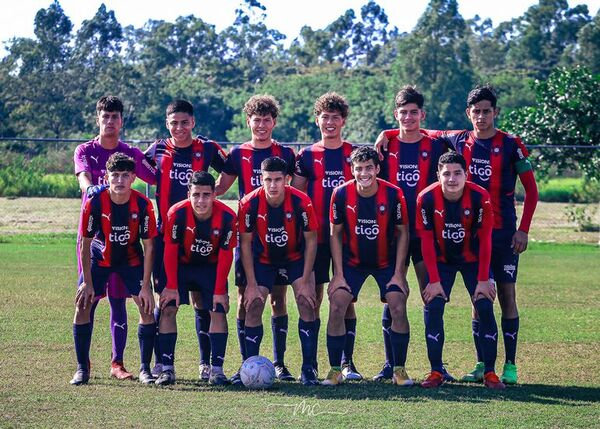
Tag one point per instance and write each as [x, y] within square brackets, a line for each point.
[369, 236]
[112, 225]
[278, 232]
[455, 221]
[199, 239]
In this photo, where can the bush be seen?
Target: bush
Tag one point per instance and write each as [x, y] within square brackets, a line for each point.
[565, 190]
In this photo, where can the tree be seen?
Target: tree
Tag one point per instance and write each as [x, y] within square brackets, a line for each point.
[588, 40]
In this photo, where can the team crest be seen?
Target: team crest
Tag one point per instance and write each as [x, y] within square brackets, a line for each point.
[382, 208]
[215, 232]
[467, 212]
[288, 216]
[496, 150]
[348, 160]
[424, 154]
[198, 155]
[134, 216]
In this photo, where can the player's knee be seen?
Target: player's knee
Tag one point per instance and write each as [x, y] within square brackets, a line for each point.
[338, 305]
[168, 313]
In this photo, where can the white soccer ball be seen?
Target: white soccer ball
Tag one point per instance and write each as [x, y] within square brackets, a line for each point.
[257, 372]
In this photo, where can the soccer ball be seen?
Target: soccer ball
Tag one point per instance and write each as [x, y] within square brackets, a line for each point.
[257, 372]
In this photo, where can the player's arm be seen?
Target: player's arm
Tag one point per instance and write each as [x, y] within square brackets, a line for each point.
[299, 182]
[146, 297]
[485, 288]
[171, 261]
[521, 238]
[424, 224]
[223, 183]
[145, 168]
[85, 292]
[252, 292]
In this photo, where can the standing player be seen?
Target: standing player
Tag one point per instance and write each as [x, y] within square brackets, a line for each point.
[176, 158]
[200, 236]
[278, 231]
[112, 225]
[90, 168]
[319, 169]
[455, 221]
[494, 160]
[243, 163]
[409, 163]
[369, 236]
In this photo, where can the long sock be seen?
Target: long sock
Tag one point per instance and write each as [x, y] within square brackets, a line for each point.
[146, 336]
[316, 343]
[434, 333]
[335, 348]
[279, 327]
[510, 329]
[118, 327]
[475, 325]
[399, 347]
[253, 339]
[350, 339]
[386, 325]
[82, 337]
[167, 347]
[489, 332]
[306, 332]
[218, 344]
[157, 353]
[202, 326]
[241, 333]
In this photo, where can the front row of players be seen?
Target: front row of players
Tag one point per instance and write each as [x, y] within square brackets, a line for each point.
[278, 237]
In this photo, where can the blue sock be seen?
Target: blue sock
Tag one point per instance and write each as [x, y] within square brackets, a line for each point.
[399, 347]
[82, 337]
[167, 347]
[218, 344]
[241, 333]
[386, 325]
[475, 325]
[350, 339]
[253, 339]
[488, 335]
[434, 333]
[202, 327]
[316, 344]
[510, 328]
[146, 336]
[279, 327]
[157, 354]
[335, 348]
[306, 332]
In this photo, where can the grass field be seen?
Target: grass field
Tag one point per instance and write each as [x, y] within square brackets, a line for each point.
[558, 354]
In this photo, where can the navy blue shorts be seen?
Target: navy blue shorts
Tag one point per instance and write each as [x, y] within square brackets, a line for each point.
[267, 275]
[322, 264]
[240, 274]
[504, 263]
[131, 276]
[448, 273]
[356, 276]
[414, 252]
[197, 278]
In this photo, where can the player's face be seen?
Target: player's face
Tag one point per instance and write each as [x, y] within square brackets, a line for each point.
[482, 115]
[330, 123]
[110, 123]
[409, 117]
[261, 127]
[274, 184]
[120, 181]
[180, 126]
[453, 178]
[202, 198]
[365, 173]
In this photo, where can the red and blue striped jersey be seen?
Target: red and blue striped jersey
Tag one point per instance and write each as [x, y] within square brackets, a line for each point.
[244, 161]
[412, 167]
[369, 223]
[278, 232]
[117, 229]
[175, 166]
[455, 224]
[325, 169]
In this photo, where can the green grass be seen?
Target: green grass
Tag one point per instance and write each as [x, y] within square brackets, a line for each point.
[558, 294]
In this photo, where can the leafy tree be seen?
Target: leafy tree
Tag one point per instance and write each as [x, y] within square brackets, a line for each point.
[588, 40]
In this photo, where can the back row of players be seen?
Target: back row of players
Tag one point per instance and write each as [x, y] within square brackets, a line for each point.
[371, 227]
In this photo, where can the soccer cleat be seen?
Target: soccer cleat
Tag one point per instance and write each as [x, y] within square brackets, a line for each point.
[475, 376]
[350, 373]
[146, 377]
[333, 378]
[81, 376]
[165, 378]
[282, 373]
[491, 381]
[433, 380]
[204, 372]
[447, 377]
[156, 370]
[218, 379]
[386, 373]
[401, 378]
[118, 371]
[509, 373]
[235, 379]
[308, 377]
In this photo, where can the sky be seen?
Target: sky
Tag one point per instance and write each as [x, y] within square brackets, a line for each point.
[17, 17]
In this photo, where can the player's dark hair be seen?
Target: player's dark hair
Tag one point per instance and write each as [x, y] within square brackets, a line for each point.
[109, 103]
[407, 95]
[331, 102]
[262, 105]
[480, 93]
[274, 164]
[120, 162]
[180, 106]
[452, 158]
[202, 178]
[363, 154]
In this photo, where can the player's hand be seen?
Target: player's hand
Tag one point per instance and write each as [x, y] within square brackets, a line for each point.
[381, 144]
[337, 282]
[432, 290]
[221, 299]
[250, 294]
[519, 242]
[485, 289]
[146, 300]
[168, 295]
[93, 190]
[401, 282]
[84, 296]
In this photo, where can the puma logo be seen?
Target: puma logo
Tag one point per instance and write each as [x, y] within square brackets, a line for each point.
[247, 158]
[263, 217]
[351, 333]
[203, 333]
[251, 339]
[191, 229]
[491, 337]
[95, 158]
[434, 337]
[170, 357]
[283, 330]
[305, 332]
[107, 216]
[386, 330]
[353, 208]
[513, 335]
[320, 161]
[440, 212]
[394, 154]
[123, 326]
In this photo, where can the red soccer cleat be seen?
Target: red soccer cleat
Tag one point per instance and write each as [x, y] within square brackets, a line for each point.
[491, 381]
[433, 380]
[118, 371]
